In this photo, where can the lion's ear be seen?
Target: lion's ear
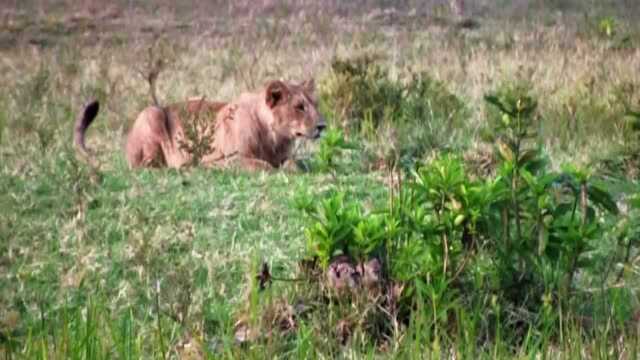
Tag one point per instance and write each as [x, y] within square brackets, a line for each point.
[276, 93]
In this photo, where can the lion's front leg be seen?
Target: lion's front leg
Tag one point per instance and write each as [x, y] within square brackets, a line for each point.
[237, 161]
[291, 166]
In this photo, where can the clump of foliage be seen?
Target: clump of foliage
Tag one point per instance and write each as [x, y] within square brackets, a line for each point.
[607, 26]
[549, 219]
[342, 227]
[511, 245]
[332, 146]
[359, 90]
[360, 97]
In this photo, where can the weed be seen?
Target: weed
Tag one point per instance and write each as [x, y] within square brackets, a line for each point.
[199, 132]
[607, 26]
[332, 145]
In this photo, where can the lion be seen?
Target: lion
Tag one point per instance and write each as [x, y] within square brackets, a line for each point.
[256, 131]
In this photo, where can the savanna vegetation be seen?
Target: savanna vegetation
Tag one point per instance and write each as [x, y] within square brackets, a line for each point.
[475, 196]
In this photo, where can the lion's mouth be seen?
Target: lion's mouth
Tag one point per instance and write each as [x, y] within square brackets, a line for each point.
[312, 134]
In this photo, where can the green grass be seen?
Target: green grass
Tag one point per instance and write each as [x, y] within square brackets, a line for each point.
[73, 245]
[139, 264]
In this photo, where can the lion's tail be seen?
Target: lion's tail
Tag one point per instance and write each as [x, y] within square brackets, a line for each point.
[82, 124]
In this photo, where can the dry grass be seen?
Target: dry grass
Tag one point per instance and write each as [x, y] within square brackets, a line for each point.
[222, 53]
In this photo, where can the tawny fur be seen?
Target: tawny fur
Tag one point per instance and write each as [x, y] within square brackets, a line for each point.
[256, 131]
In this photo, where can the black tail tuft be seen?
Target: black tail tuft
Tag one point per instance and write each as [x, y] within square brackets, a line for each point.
[83, 122]
[91, 111]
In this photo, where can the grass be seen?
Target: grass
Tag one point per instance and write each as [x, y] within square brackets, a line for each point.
[103, 249]
[162, 264]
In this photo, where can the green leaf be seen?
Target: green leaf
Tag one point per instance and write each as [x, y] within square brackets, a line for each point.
[528, 178]
[506, 120]
[527, 156]
[602, 198]
[635, 201]
[495, 101]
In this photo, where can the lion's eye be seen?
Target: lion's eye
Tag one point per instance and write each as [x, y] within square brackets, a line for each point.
[300, 107]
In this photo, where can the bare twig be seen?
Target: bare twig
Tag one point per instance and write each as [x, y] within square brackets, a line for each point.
[156, 61]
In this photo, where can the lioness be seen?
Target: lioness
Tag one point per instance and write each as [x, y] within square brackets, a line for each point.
[256, 131]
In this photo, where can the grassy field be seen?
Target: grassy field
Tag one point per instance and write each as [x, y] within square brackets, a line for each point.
[490, 161]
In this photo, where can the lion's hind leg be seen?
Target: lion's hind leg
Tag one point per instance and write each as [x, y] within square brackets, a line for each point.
[146, 154]
[153, 156]
[144, 143]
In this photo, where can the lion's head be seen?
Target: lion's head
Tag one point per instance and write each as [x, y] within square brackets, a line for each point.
[294, 109]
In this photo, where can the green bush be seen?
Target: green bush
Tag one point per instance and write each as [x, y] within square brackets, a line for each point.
[359, 96]
[607, 27]
[359, 90]
[548, 219]
[512, 244]
[340, 226]
[331, 148]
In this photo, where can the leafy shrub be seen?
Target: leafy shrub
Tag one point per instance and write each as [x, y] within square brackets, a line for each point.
[549, 219]
[425, 237]
[438, 216]
[359, 90]
[332, 145]
[340, 226]
[511, 244]
[359, 96]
